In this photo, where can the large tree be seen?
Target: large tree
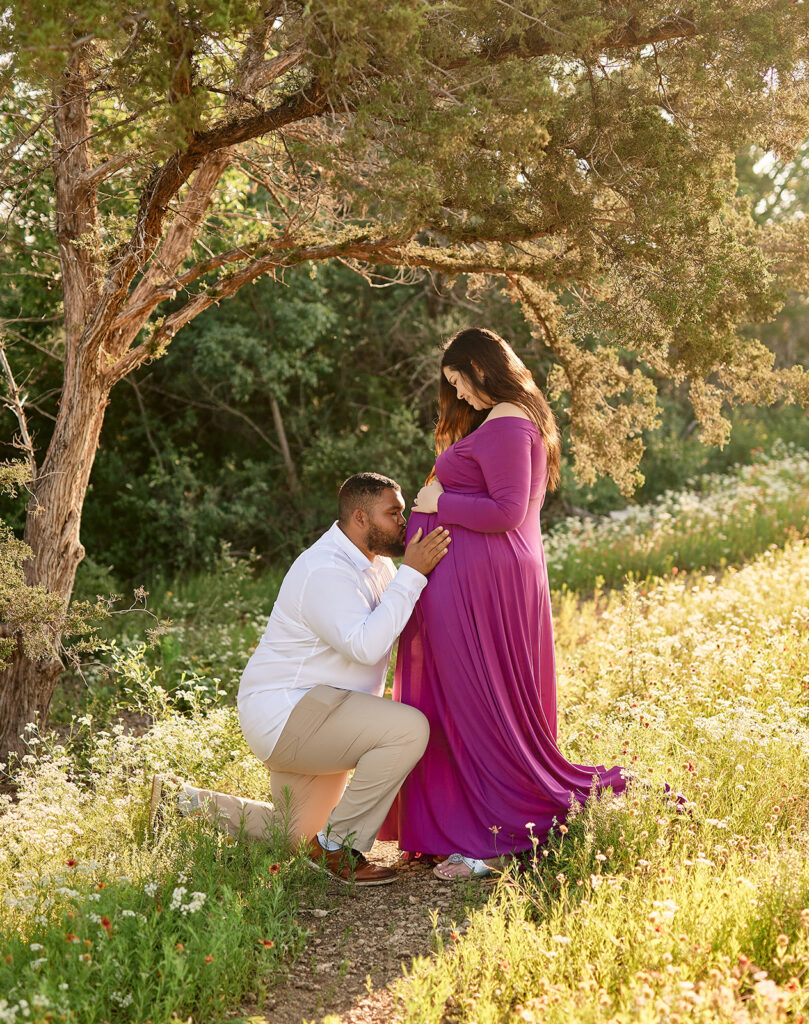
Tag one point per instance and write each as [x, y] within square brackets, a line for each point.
[581, 151]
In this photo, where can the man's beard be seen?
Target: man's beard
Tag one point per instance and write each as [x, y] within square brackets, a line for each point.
[382, 543]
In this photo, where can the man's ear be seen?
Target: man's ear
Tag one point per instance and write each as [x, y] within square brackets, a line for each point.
[359, 518]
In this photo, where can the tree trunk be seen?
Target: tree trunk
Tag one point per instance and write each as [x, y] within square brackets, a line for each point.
[289, 465]
[52, 532]
[54, 512]
[26, 689]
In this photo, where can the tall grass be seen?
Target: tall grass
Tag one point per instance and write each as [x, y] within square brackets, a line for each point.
[630, 912]
[635, 911]
[717, 521]
[99, 920]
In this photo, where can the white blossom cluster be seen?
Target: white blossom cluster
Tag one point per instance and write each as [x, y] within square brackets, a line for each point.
[196, 900]
[742, 724]
[718, 503]
[39, 1007]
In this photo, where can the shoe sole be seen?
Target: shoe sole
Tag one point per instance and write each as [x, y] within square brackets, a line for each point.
[491, 877]
[349, 881]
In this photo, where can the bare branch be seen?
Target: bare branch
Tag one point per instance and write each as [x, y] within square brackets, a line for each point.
[90, 179]
[16, 403]
[534, 42]
[218, 403]
[145, 419]
[358, 248]
[267, 73]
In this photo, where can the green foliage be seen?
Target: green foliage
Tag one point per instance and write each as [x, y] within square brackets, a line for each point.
[585, 156]
[208, 626]
[198, 447]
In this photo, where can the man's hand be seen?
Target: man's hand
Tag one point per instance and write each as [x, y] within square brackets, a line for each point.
[424, 554]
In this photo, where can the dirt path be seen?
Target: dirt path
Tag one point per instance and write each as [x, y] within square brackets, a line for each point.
[358, 942]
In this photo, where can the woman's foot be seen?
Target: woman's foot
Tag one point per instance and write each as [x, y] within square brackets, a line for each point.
[458, 866]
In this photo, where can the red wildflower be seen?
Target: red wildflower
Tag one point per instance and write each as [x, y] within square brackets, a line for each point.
[267, 942]
[209, 959]
[106, 924]
[274, 869]
[71, 862]
[70, 937]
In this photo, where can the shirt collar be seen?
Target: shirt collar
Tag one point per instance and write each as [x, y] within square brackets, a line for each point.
[350, 548]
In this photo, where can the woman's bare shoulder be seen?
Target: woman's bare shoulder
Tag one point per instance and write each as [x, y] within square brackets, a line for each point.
[507, 409]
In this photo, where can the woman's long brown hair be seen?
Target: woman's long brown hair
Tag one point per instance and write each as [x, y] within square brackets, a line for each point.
[493, 367]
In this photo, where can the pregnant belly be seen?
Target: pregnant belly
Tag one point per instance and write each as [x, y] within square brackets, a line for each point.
[475, 555]
[423, 520]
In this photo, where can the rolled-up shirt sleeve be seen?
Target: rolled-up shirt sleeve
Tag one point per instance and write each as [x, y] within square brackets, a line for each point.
[334, 608]
[506, 470]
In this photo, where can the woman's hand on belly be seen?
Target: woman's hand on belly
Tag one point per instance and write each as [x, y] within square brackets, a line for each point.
[427, 498]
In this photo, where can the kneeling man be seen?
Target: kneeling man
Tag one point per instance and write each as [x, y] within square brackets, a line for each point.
[311, 702]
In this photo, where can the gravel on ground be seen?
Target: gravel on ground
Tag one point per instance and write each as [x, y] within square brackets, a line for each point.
[360, 939]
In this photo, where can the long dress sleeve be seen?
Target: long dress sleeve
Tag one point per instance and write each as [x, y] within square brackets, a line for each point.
[504, 458]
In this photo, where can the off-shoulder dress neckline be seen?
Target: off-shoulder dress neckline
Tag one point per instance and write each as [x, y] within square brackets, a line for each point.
[471, 434]
[492, 419]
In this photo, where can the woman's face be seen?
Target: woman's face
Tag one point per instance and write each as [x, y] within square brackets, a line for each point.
[465, 389]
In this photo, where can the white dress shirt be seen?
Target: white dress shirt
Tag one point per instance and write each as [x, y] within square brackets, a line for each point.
[333, 623]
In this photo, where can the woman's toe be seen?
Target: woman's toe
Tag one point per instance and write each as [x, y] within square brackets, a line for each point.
[451, 868]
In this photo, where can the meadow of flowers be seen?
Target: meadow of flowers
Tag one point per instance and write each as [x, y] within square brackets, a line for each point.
[631, 912]
[637, 911]
[99, 919]
[716, 521]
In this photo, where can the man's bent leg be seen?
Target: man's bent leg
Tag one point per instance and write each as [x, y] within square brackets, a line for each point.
[233, 814]
[400, 737]
[332, 730]
[303, 802]
[301, 805]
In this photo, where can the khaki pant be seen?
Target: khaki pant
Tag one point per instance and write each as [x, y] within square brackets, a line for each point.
[329, 733]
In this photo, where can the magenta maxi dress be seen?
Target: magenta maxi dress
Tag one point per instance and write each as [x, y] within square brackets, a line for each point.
[477, 658]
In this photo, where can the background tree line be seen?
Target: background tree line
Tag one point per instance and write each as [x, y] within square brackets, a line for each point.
[243, 431]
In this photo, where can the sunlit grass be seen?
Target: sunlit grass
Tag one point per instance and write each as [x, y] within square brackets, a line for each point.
[635, 911]
[99, 919]
[719, 520]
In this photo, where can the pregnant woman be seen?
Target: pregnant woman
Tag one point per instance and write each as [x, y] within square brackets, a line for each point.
[476, 656]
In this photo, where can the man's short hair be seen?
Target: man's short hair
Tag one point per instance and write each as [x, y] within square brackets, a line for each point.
[362, 491]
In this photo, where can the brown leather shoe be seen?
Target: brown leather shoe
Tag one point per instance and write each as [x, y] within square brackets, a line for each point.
[348, 866]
